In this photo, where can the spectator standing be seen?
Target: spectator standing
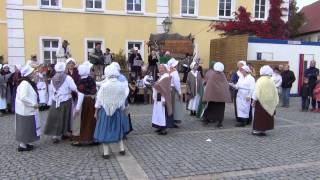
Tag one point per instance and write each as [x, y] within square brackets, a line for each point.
[136, 63]
[153, 60]
[305, 93]
[97, 59]
[63, 52]
[311, 73]
[288, 79]
[108, 58]
[277, 79]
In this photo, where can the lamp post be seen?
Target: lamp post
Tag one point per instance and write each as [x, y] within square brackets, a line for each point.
[166, 24]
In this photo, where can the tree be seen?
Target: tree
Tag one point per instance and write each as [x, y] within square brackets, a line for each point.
[296, 19]
[241, 25]
[274, 27]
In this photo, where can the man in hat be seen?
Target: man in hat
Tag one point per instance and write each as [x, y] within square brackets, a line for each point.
[63, 52]
[27, 115]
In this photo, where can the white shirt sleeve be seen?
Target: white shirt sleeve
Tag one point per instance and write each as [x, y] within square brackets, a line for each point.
[176, 82]
[145, 80]
[251, 87]
[50, 94]
[79, 101]
[24, 95]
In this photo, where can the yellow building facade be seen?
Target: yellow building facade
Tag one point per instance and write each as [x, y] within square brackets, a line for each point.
[39, 26]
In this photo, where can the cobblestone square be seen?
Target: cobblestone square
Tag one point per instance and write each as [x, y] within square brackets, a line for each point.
[291, 151]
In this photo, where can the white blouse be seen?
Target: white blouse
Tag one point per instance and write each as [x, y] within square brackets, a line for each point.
[26, 100]
[175, 81]
[63, 93]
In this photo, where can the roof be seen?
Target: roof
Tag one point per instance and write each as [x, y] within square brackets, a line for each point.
[279, 41]
[312, 20]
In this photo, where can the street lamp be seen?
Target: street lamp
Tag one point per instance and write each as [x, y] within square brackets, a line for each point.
[166, 24]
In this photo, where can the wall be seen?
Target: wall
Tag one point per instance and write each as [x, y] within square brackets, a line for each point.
[75, 27]
[285, 52]
[3, 30]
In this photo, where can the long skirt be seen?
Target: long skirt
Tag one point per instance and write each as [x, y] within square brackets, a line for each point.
[214, 112]
[58, 121]
[26, 131]
[88, 122]
[262, 121]
[111, 129]
[13, 98]
[202, 105]
[160, 118]
[194, 103]
[176, 105]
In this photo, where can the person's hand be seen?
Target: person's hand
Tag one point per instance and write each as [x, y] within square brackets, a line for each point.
[253, 104]
[95, 115]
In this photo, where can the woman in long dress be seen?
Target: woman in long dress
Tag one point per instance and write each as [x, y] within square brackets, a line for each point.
[265, 100]
[176, 95]
[112, 124]
[4, 89]
[162, 106]
[245, 87]
[194, 83]
[216, 94]
[60, 113]
[27, 115]
[87, 122]
[13, 84]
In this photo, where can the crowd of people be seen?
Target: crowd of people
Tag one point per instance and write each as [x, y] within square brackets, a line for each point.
[81, 107]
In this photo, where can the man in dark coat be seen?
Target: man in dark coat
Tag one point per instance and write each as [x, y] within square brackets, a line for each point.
[288, 79]
[311, 73]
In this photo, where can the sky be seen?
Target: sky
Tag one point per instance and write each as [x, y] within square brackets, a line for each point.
[302, 3]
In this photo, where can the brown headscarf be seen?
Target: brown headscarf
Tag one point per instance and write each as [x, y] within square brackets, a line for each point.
[217, 89]
[163, 86]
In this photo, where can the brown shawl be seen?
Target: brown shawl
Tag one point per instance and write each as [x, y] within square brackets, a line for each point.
[163, 87]
[217, 89]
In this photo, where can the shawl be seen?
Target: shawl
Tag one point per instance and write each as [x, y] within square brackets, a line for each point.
[58, 79]
[217, 88]
[163, 86]
[112, 101]
[32, 83]
[191, 82]
[267, 94]
[4, 84]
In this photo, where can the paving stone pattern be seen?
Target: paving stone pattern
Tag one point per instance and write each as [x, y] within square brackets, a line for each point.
[183, 153]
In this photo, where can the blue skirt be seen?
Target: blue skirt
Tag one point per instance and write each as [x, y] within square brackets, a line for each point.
[111, 129]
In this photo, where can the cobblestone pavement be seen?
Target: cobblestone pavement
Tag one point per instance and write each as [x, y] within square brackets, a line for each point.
[291, 151]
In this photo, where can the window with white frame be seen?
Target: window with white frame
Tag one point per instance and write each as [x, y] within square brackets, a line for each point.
[225, 8]
[50, 3]
[260, 9]
[134, 5]
[49, 49]
[94, 4]
[188, 7]
[131, 45]
[91, 44]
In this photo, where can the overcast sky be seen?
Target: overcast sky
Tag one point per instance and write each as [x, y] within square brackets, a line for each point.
[302, 3]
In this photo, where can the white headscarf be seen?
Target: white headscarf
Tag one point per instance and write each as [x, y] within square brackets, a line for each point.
[84, 70]
[71, 60]
[266, 70]
[60, 67]
[26, 70]
[242, 62]
[117, 65]
[19, 67]
[172, 63]
[6, 66]
[218, 66]
[111, 71]
[246, 68]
